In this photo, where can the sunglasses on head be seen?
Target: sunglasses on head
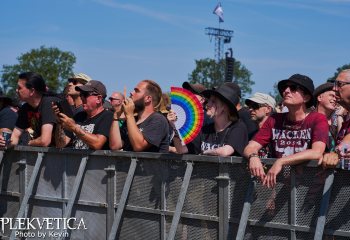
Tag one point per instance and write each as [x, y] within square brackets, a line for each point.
[87, 94]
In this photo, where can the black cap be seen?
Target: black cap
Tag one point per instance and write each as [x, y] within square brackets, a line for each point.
[93, 86]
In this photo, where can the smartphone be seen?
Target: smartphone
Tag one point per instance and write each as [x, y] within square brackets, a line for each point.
[65, 108]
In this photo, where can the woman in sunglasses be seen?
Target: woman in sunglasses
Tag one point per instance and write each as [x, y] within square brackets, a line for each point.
[296, 136]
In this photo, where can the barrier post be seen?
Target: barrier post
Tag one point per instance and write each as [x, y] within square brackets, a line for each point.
[110, 195]
[321, 220]
[223, 182]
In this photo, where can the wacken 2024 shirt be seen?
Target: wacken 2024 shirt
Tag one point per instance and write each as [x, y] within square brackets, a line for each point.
[289, 137]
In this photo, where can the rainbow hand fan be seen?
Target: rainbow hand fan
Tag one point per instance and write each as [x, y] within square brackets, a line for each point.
[189, 113]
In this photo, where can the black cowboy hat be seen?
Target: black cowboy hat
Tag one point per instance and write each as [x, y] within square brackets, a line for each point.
[226, 94]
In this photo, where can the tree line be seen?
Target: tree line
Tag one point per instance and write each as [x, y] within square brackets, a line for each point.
[56, 66]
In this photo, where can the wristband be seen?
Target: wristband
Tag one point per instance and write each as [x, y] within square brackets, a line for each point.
[253, 155]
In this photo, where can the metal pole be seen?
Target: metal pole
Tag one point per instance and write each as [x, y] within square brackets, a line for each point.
[28, 192]
[180, 201]
[321, 220]
[246, 209]
[124, 196]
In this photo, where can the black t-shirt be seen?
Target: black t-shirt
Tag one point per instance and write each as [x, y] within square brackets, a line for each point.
[234, 135]
[99, 124]
[155, 130]
[8, 118]
[34, 118]
[251, 125]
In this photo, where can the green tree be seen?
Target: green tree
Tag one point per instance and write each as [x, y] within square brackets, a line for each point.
[276, 94]
[332, 79]
[53, 64]
[211, 74]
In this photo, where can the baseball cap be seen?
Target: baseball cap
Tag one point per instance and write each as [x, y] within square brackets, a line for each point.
[82, 77]
[262, 98]
[93, 86]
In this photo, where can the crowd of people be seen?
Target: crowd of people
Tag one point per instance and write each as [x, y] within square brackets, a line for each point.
[309, 124]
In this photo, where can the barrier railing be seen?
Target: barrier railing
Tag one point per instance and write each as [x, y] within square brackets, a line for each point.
[71, 194]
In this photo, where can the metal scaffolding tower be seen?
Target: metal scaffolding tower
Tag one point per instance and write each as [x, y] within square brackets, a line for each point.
[222, 37]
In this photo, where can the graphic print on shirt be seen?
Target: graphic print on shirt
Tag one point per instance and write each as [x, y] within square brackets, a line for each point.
[288, 142]
[33, 122]
[209, 146]
[78, 143]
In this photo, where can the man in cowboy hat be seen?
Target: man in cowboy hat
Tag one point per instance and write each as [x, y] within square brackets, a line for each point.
[295, 137]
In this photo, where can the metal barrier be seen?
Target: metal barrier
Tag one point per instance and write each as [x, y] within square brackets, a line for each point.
[127, 195]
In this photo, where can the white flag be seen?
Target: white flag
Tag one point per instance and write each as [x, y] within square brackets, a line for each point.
[219, 12]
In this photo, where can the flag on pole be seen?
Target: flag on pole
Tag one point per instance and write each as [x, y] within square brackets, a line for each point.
[219, 12]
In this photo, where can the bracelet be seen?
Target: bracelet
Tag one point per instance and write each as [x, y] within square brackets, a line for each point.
[115, 119]
[253, 155]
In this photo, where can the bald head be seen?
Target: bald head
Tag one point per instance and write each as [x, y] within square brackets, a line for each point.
[116, 99]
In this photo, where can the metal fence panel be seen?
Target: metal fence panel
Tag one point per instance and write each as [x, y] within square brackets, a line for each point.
[212, 205]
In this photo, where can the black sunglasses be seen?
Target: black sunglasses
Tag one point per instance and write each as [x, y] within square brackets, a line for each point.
[292, 87]
[256, 106]
[74, 81]
[87, 94]
[112, 98]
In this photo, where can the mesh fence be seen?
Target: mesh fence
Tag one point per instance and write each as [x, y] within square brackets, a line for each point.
[154, 195]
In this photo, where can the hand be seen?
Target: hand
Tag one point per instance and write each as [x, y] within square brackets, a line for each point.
[2, 141]
[270, 179]
[128, 107]
[256, 168]
[343, 150]
[172, 118]
[66, 122]
[330, 160]
[56, 110]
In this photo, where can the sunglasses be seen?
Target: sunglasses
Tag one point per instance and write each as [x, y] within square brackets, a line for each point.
[256, 106]
[112, 98]
[340, 84]
[87, 94]
[74, 81]
[292, 87]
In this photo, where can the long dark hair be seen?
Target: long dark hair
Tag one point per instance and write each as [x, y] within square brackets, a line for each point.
[34, 80]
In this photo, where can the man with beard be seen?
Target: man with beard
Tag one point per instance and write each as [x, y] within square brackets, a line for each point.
[90, 128]
[148, 131]
[261, 106]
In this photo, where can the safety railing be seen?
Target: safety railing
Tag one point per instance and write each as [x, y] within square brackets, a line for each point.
[74, 194]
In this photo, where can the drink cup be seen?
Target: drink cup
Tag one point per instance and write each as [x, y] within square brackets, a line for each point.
[7, 136]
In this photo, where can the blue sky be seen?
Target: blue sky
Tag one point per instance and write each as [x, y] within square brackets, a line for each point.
[122, 42]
